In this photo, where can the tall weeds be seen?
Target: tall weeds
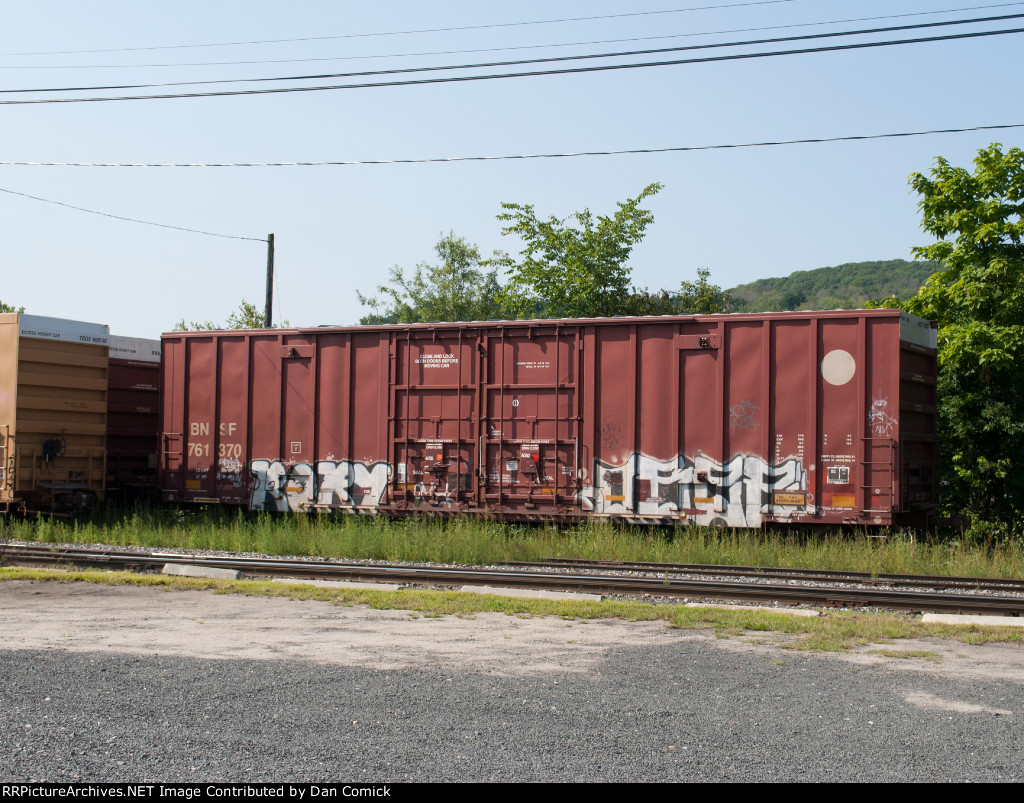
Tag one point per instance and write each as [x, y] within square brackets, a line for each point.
[473, 541]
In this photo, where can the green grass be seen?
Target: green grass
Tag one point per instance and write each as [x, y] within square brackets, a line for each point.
[927, 655]
[473, 541]
[831, 632]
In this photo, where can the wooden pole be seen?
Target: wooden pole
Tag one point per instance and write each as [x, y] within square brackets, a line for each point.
[268, 321]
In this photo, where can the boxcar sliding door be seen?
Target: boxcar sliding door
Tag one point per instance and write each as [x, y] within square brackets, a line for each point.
[530, 435]
[434, 419]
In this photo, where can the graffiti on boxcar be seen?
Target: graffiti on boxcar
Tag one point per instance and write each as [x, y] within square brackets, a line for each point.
[344, 483]
[332, 483]
[741, 417]
[735, 494]
[610, 432]
[879, 420]
[229, 470]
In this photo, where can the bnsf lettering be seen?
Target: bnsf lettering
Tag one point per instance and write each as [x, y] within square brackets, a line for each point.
[199, 428]
[228, 428]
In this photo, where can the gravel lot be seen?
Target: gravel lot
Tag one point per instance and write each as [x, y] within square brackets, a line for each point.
[132, 684]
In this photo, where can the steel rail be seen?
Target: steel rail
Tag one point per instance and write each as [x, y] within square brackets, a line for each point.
[915, 601]
[816, 575]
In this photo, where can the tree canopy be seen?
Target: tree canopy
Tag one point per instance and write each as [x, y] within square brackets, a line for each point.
[455, 289]
[977, 217]
[699, 297]
[565, 270]
[8, 308]
[247, 316]
[978, 301]
[702, 297]
[574, 270]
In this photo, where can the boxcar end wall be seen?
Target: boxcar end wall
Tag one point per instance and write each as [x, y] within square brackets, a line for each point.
[729, 420]
[133, 402]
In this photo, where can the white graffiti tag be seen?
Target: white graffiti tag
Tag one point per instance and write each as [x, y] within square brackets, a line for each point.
[327, 483]
[735, 494]
[879, 420]
[741, 417]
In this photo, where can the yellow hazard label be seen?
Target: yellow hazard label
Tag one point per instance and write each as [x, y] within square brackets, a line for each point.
[790, 499]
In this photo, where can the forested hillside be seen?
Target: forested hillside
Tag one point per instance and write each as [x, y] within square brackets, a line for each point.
[845, 286]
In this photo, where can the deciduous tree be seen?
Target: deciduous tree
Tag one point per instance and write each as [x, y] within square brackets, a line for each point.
[702, 297]
[576, 270]
[247, 316]
[455, 289]
[699, 297]
[978, 301]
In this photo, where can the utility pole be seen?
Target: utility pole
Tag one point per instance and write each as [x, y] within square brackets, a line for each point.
[267, 315]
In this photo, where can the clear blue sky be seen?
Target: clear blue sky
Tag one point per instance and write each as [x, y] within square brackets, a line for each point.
[743, 214]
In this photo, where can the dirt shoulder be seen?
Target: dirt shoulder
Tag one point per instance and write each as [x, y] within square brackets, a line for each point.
[203, 624]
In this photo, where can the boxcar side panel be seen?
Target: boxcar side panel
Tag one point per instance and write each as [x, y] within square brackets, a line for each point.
[744, 474]
[792, 423]
[842, 384]
[367, 467]
[55, 441]
[231, 424]
[731, 420]
[610, 491]
[201, 417]
[8, 404]
[334, 470]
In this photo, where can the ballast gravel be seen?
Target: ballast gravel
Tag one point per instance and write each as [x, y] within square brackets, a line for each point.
[140, 684]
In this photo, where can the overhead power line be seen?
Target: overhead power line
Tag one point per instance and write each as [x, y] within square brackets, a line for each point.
[537, 73]
[523, 62]
[690, 34]
[131, 219]
[411, 31]
[507, 157]
[682, 148]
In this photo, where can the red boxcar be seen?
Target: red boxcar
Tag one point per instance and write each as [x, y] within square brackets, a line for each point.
[732, 420]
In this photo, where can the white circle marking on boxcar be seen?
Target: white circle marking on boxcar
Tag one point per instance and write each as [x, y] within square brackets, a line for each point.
[838, 367]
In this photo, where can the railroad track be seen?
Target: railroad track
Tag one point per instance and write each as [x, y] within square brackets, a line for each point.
[1011, 585]
[596, 579]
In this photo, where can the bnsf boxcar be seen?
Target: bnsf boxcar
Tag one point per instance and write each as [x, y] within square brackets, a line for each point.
[730, 420]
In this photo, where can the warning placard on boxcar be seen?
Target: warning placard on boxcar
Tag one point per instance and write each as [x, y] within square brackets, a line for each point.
[437, 360]
[790, 499]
